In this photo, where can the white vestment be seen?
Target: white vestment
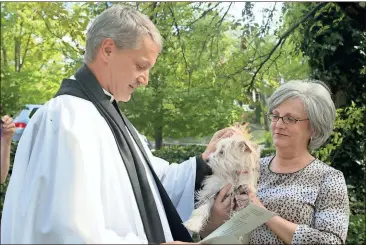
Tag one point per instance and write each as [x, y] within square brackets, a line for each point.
[70, 185]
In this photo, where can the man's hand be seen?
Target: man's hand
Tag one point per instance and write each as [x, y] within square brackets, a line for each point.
[8, 128]
[178, 242]
[223, 133]
[221, 208]
[220, 211]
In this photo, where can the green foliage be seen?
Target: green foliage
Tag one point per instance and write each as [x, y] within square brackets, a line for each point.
[34, 54]
[357, 223]
[337, 55]
[356, 229]
[333, 43]
[182, 97]
[178, 154]
[345, 149]
[349, 119]
[268, 141]
[268, 152]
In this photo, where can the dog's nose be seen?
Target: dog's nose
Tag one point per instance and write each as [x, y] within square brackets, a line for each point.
[207, 159]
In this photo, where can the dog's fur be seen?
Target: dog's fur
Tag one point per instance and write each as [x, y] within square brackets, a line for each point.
[235, 161]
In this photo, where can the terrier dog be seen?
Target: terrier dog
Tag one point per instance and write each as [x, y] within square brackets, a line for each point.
[235, 161]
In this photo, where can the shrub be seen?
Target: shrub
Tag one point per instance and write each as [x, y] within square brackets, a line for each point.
[178, 153]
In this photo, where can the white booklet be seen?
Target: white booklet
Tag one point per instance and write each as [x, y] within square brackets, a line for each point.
[239, 225]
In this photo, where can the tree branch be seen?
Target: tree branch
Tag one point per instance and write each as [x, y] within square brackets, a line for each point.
[273, 61]
[223, 17]
[60, 38]
[217, 26]
[204, 14]
[152, 16]
[179, 38]
[3, 49]
[283, 38]
[26, 50]
[17, 50]
[270, 17]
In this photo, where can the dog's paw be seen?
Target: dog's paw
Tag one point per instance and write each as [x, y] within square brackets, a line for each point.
[193, 225]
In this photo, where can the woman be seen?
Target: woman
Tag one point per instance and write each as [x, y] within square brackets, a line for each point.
[7, 131]
[309, 197]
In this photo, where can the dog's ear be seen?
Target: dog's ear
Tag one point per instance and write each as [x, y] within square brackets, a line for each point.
[243, 127]
[245, 147]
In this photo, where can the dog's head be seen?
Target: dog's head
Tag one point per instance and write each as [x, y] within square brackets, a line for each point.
[235, 155]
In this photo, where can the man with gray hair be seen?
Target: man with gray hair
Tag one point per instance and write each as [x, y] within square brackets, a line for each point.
[81, 173]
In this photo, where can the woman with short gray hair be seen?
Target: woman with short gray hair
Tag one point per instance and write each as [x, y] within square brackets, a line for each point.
[309, 197]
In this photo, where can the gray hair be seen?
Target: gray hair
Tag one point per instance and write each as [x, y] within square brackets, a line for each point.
[124, 25]
[318, 105]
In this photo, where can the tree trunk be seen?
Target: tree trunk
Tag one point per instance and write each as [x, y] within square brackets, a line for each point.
[258, 112]
[159, 125]
[340, 99]
[265, 119]
[16, 54]
[159, 137]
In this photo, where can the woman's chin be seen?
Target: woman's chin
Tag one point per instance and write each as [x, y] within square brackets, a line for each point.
[280, 143]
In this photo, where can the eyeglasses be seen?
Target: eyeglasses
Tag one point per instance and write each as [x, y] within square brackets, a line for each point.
[285, 119]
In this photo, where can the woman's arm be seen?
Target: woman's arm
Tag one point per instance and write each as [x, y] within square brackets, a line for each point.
[5, 159]
[8, 130]
[284, 229]
[331, 216]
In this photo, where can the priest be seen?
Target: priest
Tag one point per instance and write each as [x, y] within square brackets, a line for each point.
[81, 173]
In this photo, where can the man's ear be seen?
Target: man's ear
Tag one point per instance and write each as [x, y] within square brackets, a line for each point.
[106, 48]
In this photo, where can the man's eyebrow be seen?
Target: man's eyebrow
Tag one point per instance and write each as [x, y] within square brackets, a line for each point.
[145, 62]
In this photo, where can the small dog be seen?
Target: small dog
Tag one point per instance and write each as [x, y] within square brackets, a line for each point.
[235, 161]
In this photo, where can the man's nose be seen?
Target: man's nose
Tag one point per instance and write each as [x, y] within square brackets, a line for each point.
[144, 78]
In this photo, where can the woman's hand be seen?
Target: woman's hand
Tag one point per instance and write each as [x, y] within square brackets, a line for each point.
[241, 199]
[8, 129]
[253, 197]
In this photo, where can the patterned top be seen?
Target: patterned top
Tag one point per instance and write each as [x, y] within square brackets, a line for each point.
[314, 197]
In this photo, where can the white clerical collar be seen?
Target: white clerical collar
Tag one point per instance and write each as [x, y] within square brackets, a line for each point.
[105, 92]
[109, 94]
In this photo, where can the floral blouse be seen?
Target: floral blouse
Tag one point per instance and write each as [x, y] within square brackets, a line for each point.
[314, 197]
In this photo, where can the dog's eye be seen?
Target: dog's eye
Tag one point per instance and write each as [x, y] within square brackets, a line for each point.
[221, 152]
